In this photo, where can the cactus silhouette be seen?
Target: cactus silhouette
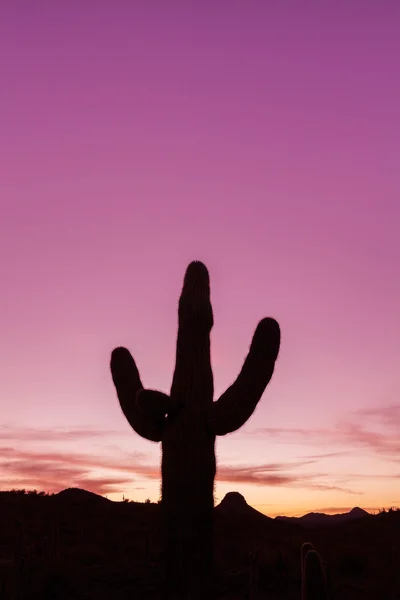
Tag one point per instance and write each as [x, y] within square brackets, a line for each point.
[187, 422]
[303, 551]
[314, 581]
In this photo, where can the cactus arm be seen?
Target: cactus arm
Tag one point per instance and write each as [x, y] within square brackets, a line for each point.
[237, 404]
[127, 382]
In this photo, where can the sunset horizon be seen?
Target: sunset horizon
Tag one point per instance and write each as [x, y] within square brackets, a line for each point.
[124, 499]
[107, 477]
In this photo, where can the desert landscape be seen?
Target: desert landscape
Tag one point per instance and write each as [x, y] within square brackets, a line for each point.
[77, 545]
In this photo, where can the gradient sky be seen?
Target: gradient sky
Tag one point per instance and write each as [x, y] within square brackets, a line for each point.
[262, 138]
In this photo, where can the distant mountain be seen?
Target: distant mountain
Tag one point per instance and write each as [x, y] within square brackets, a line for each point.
[232, 509]
[236, 520]
[314, 519]
[79, 496]
[235, 505]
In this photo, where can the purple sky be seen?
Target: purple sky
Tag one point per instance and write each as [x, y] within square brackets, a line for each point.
[261, 138]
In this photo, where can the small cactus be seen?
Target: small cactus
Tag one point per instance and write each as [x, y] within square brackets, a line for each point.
[303, 551]
[314, 581]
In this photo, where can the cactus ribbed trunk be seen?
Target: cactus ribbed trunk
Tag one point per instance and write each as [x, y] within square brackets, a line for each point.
[187, 422]
[313, 577]
[188, 455]
[188, 472]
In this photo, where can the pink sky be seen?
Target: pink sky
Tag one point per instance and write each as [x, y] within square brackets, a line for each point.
[261, 138]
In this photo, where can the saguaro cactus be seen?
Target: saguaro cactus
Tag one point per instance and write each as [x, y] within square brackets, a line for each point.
[306, 547]
[186, 422]
[314, 580]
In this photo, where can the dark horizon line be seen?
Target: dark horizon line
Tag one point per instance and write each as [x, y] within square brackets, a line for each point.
[347, 510]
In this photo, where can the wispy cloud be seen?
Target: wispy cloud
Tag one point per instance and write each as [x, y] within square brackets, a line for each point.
[280, 474]
[350, 433]
[324, 455]
[52, 471]
[22, 464]
[57, 434]
[387, 415]
[54, 477]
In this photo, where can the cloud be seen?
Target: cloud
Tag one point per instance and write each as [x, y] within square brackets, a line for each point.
[351, 434]
[253, 475]
[292, 435]
[337, 488]
[52, 471]
[326, 455]
[128, 463]
[276, 474]
[105, 472]
[53, 478]
[56, 434]
[387, 415]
